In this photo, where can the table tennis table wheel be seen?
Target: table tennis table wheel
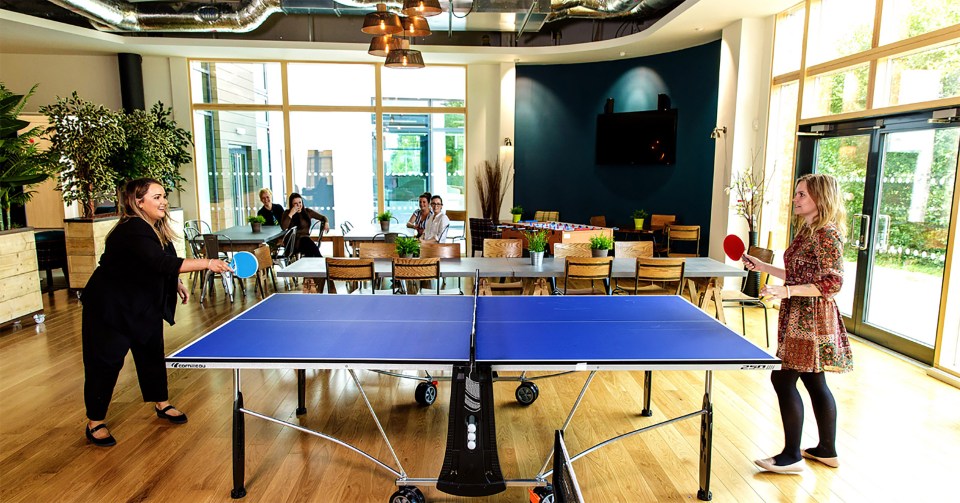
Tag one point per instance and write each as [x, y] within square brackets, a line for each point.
[426, 393]
[527, 393]
[407, 494]
[542, 494]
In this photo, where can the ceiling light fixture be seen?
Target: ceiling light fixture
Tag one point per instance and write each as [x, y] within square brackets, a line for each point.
[404, 57]
[381, 22]
[415, 26]
[382, 45]
[424, 8]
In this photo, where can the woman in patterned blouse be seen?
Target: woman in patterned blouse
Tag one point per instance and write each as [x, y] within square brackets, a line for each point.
[811, 339]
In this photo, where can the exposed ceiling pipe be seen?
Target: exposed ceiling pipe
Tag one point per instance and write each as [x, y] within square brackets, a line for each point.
[604, 9]
[119, 15]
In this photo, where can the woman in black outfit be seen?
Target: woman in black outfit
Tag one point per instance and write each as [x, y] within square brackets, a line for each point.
[125, 302]
[271, 212]
[299, 217]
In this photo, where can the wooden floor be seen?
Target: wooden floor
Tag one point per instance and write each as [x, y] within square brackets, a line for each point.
[899, 430]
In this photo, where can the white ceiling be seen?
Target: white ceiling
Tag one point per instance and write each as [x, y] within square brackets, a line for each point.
[692, 23]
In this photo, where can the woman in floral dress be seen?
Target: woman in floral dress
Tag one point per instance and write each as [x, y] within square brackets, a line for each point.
[811, 339]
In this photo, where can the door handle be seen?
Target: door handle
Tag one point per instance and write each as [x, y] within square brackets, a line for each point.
[864, 232]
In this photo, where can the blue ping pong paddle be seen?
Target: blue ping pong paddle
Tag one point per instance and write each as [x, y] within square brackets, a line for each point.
[244, 264]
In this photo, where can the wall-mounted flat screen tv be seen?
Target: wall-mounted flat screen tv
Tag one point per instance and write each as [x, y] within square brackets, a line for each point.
[637, 138]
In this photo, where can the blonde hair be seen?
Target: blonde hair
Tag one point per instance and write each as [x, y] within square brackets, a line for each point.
[825, 192]
[264, 191]
[136, 190]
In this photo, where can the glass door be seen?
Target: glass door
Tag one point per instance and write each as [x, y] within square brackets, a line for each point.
[897, 178]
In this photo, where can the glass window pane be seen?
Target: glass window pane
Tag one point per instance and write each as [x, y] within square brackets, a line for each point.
[433, 86]
[902, 19]
[237, 154]
[921, 76]
[836, 92]
[781, 137]
[334, 166]
[839, 28]
[331, 84]
[235, 83]
[423, 153]
[789, 41]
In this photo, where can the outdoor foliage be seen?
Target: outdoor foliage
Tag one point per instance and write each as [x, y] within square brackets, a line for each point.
[22, 164]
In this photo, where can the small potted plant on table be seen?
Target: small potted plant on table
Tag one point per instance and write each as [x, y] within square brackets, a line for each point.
[255, 222]
[600, 245]
[537, 244]
[638, 217]
[517, 212]
[407, 246]
[384, 219]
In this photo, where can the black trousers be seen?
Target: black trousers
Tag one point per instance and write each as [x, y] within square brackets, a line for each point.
[104, 350]
[307, 248]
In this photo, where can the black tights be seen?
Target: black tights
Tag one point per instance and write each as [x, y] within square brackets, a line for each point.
[791, 413]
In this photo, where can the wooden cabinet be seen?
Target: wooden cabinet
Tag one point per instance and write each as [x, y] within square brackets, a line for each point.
[20, 295]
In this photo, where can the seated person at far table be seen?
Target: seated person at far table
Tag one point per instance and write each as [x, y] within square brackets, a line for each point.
[272, 213]
[437, 225]
[418, 220]
[299, 217]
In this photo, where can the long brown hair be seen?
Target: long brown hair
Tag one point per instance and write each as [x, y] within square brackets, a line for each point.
[825, 192]
[135, 191]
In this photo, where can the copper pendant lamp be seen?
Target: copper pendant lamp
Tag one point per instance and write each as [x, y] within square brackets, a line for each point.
[415, 26]
[381, 22]
[405, 57]
[425, 8]
[383, 45]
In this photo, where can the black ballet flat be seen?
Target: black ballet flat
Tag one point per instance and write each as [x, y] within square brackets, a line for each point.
[109, 441]
[162, 414]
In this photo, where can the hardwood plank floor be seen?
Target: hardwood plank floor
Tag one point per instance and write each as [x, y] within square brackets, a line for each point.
[898, 440]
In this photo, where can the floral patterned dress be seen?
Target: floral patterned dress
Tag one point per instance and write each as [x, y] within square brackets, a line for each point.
[811, 336]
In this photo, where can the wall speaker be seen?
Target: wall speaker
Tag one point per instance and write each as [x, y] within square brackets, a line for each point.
[608, 106]
[663, 102]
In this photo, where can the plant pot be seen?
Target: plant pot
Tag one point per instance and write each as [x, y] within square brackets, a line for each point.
[599, 253]
[385, 225]
[536, 258]
[255, 226]
[516, 217]
[752, 287]
[638, 223]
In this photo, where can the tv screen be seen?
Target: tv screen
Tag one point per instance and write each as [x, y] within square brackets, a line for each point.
[637, 138]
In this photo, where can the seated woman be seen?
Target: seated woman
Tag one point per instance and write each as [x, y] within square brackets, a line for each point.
[270, 212]
[419, 218]
[299, 217]
[437, 225]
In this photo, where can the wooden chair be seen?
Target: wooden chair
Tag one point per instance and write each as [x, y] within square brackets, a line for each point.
[415, 271]
[598, 221]
[350, 270]
[502, 248]
[589, 269]
[285, 254]
[630, 249]
[264, 269]
[547, 216]
[561, 250]
[378, 250]
[657, 276]
[742, 299]
[686, 236]
[457, 216]
[481, 229]
[211, 247]
[658, 224]
[443, 250]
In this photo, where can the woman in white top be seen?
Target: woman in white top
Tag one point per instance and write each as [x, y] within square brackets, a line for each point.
[438, 223]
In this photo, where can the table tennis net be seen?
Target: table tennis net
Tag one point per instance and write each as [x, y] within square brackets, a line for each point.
[565, 486]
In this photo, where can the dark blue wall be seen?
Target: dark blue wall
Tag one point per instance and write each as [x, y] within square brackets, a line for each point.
[556, 116]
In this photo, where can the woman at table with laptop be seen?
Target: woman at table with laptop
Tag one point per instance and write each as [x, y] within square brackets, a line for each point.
[270, 211]
[811, 337]
[300, 218]
[125, 302]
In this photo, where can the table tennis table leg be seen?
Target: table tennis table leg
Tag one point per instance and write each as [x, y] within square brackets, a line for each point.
[706, 440]
[239, 451]
[647, 392]
[301, 392]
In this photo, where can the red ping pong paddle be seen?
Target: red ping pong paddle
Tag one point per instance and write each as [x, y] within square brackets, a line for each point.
[733, 247]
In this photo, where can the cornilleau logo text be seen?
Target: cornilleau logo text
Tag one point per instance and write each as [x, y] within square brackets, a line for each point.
[188, 365]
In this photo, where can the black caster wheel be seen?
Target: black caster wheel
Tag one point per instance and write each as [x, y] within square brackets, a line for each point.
[527, 393]
[426, 393]
[407, 494]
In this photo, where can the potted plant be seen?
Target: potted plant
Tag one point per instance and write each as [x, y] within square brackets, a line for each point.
[517, 212]
[384, 219]
[638, 217]
[255, 222]
[537, 244]
[493, 180]
[155, 148]
[600, 245]
[21, 163]
[407, 246]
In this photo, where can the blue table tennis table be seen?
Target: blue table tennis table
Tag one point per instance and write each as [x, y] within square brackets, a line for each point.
[475, 337]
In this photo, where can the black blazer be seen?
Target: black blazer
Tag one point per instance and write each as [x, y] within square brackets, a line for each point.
[273, 216]
[135, 285]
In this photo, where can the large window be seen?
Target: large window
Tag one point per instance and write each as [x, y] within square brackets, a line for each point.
[331, 149]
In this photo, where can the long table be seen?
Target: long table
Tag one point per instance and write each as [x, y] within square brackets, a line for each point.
[359, 234]
[703, 270]
[242, 237]
[474, 337]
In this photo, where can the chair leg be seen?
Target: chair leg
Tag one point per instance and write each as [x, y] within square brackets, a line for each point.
[766, 324]
[743, 320]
